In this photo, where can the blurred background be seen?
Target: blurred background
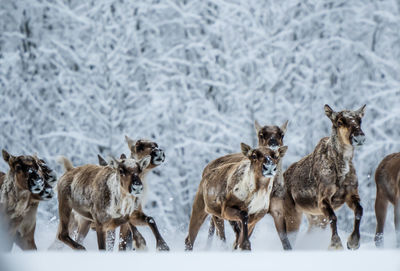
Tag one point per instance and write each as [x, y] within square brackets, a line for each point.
[193, 75]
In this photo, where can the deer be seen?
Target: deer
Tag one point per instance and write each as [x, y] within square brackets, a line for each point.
[269, 136]
[138, 149]
[28, 182]
[235, 188]
[325, 179]
[128, 232]
[106, 196]
[387, 179]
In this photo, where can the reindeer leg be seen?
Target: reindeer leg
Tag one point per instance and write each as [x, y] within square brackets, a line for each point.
[219, 223]
[381, 204]
[83, 229]
[125, 237]
[26, 242]
[280, 225]
[196, 220]
[353, 202]
[236, 228]
[128, 234]
[140, 243]
[110, 240]
[327, 210]
[235, 214]
[101, 237]
[211, 232]
[292, 218]
[139, 218]
[397, 222]
[63, 233]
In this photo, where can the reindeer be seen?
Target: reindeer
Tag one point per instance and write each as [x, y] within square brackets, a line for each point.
[106, 196]
[236, 188]
[28, 181]
[139, 149]
[387, 179]
[142, 149]
[324, 180]
[272, 137]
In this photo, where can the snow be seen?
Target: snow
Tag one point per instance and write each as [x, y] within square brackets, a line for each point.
[306, 260]
[194, 75]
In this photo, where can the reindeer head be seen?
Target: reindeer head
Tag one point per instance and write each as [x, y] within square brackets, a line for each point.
[347, 125]
[26, 171]
[141, 148]
[270, 136]
[128, 170]
[264, 160]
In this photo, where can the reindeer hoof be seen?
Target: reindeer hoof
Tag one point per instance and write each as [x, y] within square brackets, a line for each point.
[336, 243]
[353, 242]
[379, 240]
[80, 247]
[246, 245]
[162, 246]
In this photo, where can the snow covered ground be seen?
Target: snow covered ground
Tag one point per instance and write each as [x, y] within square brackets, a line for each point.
[272, 260]
[310, 253]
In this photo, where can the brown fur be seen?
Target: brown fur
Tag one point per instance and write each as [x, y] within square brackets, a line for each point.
[228, 188]
[139, 149]
[18, 204]
[324, 180]
[387, 179]
[102, 195]
[128, 232]
[268, 136]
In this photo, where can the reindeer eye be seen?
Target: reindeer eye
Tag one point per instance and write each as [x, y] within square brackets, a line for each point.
[253, 156]
[121, 171]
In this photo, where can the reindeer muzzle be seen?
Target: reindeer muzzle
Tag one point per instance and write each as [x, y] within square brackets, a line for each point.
[136, 188]
[47, 193]
[269, 168]
[157, 156]
[35, 183]
[358, 140]
[273, 144]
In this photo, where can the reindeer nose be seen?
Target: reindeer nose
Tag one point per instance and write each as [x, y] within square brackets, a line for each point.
[273, 143]
[359, 139]
[136, 189]
[158, 156]
[269, 169]
[36, 185]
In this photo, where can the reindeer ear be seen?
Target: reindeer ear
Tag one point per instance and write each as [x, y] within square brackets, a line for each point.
[360, 112]
[123, 156]
[284, 126]
[257, 126]
[131, 143]
[7, 157]
[144, 162]
[282, 151]
[330, 113]
[246, 149]
[102, 161]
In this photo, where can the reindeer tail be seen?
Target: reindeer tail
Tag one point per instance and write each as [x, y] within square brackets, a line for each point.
[65, 162]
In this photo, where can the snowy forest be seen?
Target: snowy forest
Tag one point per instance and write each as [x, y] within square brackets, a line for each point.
[193, 75]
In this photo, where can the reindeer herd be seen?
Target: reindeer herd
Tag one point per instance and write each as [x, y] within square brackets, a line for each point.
[240, 188]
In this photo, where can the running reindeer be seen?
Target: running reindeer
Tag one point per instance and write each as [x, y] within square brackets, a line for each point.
[272, 137]
[236, 187]
[28, 181]
[128, 233]
[387, 179]
[324, 180]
